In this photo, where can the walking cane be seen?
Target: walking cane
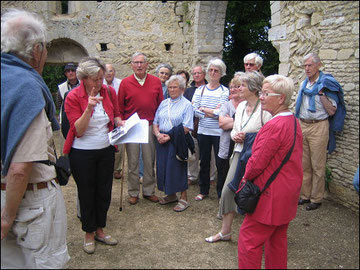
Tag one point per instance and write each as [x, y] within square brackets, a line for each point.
[122, 176]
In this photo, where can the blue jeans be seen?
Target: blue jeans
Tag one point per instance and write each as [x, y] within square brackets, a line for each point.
[206, 142]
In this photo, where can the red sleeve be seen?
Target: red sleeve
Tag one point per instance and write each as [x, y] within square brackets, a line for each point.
[73, 108]
[115, 102]
[121, 98]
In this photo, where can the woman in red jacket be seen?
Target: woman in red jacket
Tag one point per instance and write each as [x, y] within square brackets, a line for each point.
[92, 110]
[277, 206]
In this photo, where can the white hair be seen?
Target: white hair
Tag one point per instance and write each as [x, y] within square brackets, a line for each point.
[281, 85]
[216, 62]
[89, 67]
[20, 32]
[163, 66]
[258, 59]
[137, 54]
[180, 79]
[314, 56]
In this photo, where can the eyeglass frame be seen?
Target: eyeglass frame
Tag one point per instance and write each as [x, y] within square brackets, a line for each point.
[268, 94]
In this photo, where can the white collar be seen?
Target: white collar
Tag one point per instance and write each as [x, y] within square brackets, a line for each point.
[282, 114]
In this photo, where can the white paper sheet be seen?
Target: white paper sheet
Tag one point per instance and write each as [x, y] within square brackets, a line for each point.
[136, 130]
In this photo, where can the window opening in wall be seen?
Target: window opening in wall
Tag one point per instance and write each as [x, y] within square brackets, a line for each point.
[64, 7]
[103, 47]
[167, 46]
[163, 2]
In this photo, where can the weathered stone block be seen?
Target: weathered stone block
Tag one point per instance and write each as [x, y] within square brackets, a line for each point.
[277, 33]
[316, 18]
[284, 51]
[327, 54]
[344, 54]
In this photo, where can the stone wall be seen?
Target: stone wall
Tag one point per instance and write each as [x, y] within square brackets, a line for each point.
[181, 33]
[331, 29]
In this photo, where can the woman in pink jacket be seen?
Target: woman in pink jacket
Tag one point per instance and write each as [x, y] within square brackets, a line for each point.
[277, 205]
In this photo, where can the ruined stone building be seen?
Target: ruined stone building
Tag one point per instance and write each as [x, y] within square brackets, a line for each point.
[185, 33]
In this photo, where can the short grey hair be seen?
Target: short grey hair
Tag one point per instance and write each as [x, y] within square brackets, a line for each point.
[202, 68]
[180, 79]
[137, 54]
[258, 59]
[238, 73]
[89, 67]
[21, 31]
[216, 62]
[281, 85]
[314, 56]
[253, 79]
[108, 64]
[163, 66]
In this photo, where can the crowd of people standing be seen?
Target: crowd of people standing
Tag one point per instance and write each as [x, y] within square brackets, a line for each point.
[249, 127]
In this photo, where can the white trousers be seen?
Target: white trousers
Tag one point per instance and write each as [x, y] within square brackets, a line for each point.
[37, 238]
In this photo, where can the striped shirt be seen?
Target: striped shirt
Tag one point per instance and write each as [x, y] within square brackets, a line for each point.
[173, 112]
[211, 98]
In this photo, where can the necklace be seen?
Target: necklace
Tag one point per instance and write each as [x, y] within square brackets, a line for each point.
[172, 101]
[242, 116]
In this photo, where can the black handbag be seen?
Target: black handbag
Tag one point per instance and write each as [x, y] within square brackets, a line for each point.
[248, 194]
[63, 171]
[62, 167]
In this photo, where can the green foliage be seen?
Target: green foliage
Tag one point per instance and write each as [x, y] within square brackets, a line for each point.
[53, 75]
[246, 30]
[328, 177]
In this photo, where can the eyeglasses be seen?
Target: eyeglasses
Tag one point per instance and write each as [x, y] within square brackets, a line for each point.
[268, 94]
[70, 70]
[138, 63]
[196, 73]
[214, 70]
[235, 87]
[249, 64]
[164, 73]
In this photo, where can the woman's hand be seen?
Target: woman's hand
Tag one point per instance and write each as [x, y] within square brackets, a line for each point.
[118, 122]
[92, 100]
[163, 138]
[239, 137]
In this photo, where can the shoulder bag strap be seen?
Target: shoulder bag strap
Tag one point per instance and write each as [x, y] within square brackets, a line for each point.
[287, 157]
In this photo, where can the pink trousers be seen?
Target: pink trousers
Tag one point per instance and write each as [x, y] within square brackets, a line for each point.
[252, 237]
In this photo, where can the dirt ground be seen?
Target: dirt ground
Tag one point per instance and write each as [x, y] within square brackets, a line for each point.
[151, 235]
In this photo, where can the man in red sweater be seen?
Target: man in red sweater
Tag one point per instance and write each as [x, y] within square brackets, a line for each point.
[141, 93]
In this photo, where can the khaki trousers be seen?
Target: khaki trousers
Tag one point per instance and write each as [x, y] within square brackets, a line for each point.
[315, 141]
[148, 155]
[118, 158]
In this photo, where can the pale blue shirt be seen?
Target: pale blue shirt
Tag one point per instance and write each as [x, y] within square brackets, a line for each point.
[173, 112]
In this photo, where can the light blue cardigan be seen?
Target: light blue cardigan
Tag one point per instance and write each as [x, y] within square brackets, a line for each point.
[23, 96]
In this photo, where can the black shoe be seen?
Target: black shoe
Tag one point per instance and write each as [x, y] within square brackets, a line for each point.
[302, 201]
[313, 206]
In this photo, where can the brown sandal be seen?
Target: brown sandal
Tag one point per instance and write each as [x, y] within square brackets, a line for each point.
[168, 199]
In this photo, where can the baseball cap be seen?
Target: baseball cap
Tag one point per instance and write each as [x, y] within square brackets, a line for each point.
[71, 66]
